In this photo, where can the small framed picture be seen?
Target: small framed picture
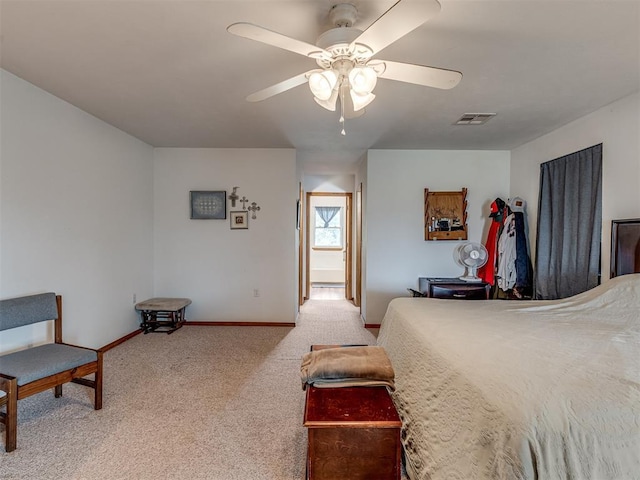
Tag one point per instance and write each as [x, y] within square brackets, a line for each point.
[239, 220]
[208, 205]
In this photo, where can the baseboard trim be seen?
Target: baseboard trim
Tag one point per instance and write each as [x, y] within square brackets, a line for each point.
[119, 341]
[371, 325]
[239, 324]
[129, 336]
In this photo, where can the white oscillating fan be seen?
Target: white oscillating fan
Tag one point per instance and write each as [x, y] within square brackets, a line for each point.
[471, 256]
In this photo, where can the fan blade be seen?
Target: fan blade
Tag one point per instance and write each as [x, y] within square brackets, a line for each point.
[261, 34]
[402, 18]
[420, 74]
[283, 86]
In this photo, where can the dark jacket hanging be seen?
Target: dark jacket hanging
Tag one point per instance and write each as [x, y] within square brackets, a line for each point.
[524, 270]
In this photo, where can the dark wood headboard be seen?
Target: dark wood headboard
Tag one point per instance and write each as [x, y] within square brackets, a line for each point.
[625, 246]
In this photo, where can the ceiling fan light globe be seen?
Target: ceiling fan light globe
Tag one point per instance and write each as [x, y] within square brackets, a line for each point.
[348, 111]
[322, 84]
[360, 101]
[330, 103]
[363, 79]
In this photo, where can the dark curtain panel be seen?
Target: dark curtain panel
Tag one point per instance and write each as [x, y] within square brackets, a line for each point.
[569, 224]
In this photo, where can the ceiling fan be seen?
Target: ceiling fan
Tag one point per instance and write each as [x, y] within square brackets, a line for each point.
[345, 54]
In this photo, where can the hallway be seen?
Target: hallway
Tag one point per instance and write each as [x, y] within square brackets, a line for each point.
[324, 292]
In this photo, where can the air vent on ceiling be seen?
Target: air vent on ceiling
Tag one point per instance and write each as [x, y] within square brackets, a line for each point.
[474, 118]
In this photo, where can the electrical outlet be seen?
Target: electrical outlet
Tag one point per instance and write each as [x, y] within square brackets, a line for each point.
[134, 298]
[256, 292]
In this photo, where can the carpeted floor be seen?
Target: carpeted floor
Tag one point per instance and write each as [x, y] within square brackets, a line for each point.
[203, 403]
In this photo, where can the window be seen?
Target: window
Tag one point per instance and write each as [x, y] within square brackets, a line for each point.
[328, 227]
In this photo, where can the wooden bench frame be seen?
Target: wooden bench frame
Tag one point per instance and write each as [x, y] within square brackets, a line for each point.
[15, 392]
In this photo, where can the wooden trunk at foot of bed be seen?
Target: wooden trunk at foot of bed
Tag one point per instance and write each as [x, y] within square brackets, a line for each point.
[354, 433]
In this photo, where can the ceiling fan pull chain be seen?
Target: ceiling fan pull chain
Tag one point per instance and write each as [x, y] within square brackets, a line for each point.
[342, 121]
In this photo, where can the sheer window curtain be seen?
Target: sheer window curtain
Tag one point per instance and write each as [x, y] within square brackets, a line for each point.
[569, 224]
[327, 214]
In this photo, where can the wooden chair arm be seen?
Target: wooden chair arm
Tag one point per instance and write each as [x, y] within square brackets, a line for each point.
[5, 382]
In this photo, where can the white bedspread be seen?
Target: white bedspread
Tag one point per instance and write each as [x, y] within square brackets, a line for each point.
[519, 390]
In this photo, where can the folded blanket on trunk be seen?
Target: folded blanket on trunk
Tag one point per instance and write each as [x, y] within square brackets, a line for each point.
[347, 367]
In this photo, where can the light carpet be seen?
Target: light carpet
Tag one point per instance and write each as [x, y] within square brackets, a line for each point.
[201, 403]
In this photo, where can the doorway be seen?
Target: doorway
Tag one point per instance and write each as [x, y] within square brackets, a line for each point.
[328, 255]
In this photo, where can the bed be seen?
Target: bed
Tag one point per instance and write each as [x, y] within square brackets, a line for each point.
[519, 389]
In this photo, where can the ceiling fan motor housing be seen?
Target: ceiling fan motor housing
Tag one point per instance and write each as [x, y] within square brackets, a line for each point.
[343, 15]
[338, 41]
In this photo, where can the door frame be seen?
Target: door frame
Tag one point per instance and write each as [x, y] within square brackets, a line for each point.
[357, 300]
[348, 233]
[300, 226]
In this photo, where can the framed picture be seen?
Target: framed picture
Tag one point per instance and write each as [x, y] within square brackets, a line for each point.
[239, 220]
[208, 205]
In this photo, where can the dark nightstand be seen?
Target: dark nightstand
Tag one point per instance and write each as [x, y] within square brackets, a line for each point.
[453, 288]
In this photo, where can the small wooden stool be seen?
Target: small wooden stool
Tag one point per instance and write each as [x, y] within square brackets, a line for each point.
[353, 432]
[169, 309]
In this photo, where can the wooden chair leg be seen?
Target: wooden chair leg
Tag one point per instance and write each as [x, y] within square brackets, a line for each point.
[97, 401]
[10, 418]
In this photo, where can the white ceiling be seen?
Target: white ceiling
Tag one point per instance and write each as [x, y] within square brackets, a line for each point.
[168, 72]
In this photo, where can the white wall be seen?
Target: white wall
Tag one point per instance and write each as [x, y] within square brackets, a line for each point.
[76, 215]
[219, 268]
[338, 183]
[397, 253]
[617, 127]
